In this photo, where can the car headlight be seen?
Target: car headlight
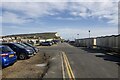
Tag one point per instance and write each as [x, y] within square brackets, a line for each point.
[28, 50]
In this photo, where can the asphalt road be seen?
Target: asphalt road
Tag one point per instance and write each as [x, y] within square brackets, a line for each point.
[88, 63]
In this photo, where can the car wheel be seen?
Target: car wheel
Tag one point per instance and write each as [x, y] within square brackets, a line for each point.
[22, 56]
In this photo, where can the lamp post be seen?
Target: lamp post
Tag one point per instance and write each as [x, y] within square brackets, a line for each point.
[89, 39]
[77, 36]
[89, 33]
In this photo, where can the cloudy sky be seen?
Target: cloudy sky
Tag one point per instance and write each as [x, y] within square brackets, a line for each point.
[68, 18]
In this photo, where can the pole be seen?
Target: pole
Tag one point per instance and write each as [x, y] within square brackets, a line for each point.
[78, 36]
[89, 33]
[89, 39]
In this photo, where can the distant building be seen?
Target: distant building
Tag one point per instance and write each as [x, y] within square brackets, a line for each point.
[32, 37]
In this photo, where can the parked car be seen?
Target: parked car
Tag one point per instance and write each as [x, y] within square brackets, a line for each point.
[7, 56]
[26, 46]
[51, 42]
[55, 41]
[21, 52]
[72, 42]
[35, 49]
[47, 43]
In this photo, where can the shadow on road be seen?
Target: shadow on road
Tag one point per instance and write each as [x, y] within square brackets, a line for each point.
[103, 54]
[91, 50]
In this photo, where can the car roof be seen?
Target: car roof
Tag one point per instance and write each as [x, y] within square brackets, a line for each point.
[2, 46]
[7, 43]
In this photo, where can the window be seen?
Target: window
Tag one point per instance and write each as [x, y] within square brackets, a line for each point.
[6, 49]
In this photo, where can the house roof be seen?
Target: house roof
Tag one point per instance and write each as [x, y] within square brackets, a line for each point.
[41, 35]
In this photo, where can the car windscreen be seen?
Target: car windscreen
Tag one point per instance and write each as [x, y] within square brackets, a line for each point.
[28, 44]
[5, 49]
[23, 44]
[19, 45]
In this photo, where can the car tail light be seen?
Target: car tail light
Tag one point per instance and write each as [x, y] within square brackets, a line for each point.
[4, 55]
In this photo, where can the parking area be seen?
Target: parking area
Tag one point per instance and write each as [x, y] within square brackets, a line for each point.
[35, 67]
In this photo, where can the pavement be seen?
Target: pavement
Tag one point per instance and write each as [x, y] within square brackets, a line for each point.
[54, 67]
[84, 63]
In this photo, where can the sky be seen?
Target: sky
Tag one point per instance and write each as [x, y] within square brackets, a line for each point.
[68, 18]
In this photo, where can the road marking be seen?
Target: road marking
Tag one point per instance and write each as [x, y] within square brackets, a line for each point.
[68, 67]
[63, 70]
[68, 71]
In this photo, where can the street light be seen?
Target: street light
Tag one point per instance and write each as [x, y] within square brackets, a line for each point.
[78, 36]
[89, 33]
[89, 39]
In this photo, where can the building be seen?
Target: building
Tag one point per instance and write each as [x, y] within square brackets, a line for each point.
[32, 37]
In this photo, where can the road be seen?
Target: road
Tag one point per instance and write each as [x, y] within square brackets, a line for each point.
[87, 63]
